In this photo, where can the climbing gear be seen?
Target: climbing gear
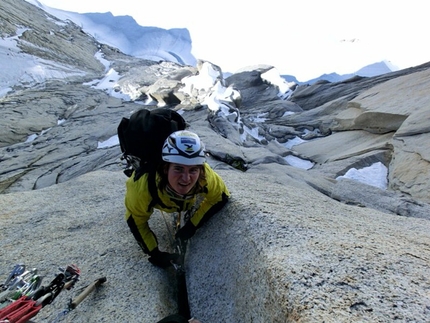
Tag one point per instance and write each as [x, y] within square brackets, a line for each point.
[20, 282]
[78, 299]
[26, 307]
[184, 147]
[16, 271]
[177, 245]
[142, 137]
[64, 280]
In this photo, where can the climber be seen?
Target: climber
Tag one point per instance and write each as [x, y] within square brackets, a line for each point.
[181, 178]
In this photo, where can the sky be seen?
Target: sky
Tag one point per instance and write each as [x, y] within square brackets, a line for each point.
[301, 38]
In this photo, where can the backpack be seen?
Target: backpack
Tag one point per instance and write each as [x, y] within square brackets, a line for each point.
[141, 139]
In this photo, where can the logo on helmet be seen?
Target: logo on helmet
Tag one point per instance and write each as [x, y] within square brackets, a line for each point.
[189, 144]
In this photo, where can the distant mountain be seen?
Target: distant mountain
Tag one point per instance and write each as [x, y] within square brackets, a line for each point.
[374, 69]
[124, 33]
[151, 43]
[291, 78]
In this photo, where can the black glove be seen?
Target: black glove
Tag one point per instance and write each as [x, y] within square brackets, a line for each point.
[186, 232]
[163, 259]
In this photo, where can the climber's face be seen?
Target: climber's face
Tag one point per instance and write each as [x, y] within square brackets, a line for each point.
[182, 178]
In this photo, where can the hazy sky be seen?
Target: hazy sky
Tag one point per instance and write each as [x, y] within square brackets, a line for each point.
[301, 38]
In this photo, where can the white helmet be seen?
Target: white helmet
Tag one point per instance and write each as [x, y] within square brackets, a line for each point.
[184, 147]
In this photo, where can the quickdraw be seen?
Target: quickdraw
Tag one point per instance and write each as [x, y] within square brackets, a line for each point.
[20, 282]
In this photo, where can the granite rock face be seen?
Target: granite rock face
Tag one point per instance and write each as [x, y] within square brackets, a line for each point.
[293, 245]
[278, 252]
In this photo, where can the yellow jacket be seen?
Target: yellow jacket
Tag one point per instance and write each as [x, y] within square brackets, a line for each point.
[138, 199]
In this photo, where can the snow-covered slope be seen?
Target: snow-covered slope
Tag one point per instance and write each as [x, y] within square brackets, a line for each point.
[124, 33]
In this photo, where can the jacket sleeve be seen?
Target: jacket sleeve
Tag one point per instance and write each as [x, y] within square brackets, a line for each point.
[216, 196]
[137, 200]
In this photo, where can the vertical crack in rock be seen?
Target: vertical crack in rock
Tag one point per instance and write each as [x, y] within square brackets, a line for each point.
[182, 294]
